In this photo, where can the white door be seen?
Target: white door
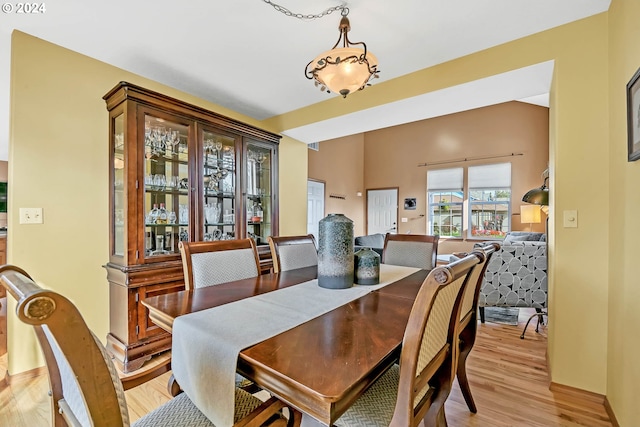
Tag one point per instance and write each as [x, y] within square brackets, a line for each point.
[382, 211]
[315, 206]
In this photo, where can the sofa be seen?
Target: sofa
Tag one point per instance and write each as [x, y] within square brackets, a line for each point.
[516, 276]
[373, 241]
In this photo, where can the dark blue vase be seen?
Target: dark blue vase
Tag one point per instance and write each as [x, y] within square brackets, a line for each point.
[367, 267]
[335, 252]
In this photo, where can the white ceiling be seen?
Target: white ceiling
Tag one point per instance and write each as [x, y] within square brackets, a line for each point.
[246, 56]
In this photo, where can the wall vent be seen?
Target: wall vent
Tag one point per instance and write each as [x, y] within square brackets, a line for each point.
[338, 196]
[314, 146]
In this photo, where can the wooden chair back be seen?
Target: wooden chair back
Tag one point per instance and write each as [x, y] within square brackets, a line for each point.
[429, 348]
[220, 261]
[410, 250]
[85, 387]
[469, 319]
[469, 309]
[291, 252]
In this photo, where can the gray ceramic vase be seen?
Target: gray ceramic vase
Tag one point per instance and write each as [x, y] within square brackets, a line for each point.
[335, 252]
[367, 267]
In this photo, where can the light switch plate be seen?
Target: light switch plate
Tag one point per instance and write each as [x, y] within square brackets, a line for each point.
[570, 219]
[31, 216]
[404, 219]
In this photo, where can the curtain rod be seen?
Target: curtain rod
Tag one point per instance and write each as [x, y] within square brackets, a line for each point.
[469, 159]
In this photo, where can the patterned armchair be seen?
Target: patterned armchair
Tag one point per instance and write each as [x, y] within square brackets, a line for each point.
[516, 276]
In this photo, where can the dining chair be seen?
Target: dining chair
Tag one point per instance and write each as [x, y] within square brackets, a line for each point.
[410, 250]
[85, 387]
[469, 319]
[220, 261]
[415, 390]
[213, 262]
[291, 252]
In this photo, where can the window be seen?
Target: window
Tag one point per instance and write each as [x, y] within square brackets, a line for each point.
[445, 197]
[489, 200]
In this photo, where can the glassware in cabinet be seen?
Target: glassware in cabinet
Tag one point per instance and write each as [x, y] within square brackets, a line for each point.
[260, 162]
[219, 185]
[166, 185]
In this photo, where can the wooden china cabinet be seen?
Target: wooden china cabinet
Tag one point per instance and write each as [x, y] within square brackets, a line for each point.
[176, 172]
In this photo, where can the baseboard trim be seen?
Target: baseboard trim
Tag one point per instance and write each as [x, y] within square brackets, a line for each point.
[612, 415]
[26, 375]
[578, 393]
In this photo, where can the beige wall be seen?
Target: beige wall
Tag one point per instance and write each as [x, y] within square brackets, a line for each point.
[391, 157]
[623, 370]
[293, 187]
[58, 160]
[339, 163]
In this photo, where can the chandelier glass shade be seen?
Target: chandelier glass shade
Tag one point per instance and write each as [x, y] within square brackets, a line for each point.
[345, 69]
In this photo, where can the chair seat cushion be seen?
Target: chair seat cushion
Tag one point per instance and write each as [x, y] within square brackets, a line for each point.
[375, 407]
[181, 412]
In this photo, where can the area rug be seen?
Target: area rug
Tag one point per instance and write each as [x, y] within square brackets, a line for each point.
[504, 315]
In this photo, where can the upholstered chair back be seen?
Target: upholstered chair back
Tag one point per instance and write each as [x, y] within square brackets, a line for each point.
[85, 387]
[291, 252]
[212, 263]
[410, 250]
[415, 390]
[73, 404]
[437, 339]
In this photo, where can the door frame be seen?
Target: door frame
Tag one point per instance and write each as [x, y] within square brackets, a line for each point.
[366, 207]
[324, 198]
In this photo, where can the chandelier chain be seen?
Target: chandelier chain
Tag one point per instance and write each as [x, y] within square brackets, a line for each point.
[343, 8]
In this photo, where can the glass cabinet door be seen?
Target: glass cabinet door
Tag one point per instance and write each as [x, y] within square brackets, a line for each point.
[119, 201]
[219, 186]
[259, 194]
[166, 185]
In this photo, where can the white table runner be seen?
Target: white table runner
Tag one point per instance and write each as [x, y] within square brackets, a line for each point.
[206, 344]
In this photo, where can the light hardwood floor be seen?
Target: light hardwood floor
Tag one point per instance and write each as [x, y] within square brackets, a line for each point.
[508, 377]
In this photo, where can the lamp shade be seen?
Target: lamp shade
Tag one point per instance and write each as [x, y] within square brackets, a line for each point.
[538, 196]
[530, 214]
[343, 71]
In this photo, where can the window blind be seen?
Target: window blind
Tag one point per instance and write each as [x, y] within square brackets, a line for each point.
[445, 179]
[490, 176]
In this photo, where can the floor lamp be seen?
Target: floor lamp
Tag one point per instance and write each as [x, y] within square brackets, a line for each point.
[537, 197]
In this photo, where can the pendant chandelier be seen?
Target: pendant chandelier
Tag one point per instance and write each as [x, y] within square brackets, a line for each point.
[344, 69]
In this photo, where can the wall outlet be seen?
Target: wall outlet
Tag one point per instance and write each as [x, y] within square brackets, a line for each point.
[31, 216]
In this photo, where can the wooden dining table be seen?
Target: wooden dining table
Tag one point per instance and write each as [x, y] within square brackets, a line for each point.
[319, 367]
